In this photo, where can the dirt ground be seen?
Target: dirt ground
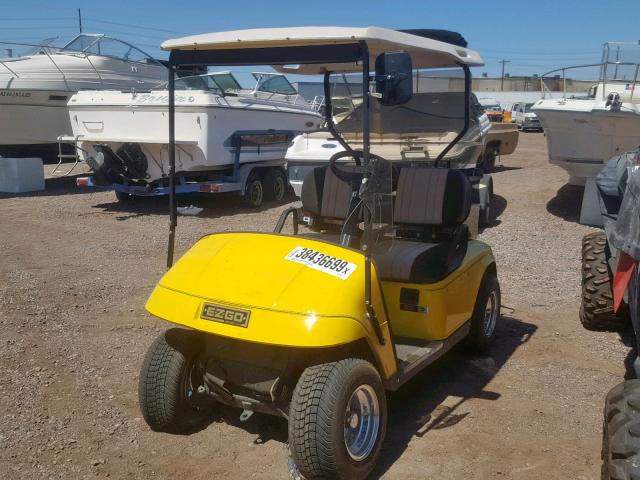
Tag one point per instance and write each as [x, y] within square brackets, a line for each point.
[76, 268]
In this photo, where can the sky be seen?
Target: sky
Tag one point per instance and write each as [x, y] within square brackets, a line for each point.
[535, 36]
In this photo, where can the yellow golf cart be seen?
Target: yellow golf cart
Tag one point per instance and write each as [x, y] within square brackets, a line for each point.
[378, 281]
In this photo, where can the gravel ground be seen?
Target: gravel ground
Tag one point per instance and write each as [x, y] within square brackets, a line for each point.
[76, 268]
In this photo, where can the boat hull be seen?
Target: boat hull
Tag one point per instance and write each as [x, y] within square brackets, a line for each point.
[205, 125]
[583, 134]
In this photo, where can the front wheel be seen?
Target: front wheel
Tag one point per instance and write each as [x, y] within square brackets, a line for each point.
[486, 314]
[168, 383]
[337, 420]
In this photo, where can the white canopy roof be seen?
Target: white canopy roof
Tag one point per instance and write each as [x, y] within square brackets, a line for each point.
[425, 52]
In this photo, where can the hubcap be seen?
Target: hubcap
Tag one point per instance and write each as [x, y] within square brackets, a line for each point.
[490, 314]
[362, 422]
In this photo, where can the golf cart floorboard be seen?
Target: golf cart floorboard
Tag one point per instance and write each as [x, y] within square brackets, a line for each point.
[414, 355]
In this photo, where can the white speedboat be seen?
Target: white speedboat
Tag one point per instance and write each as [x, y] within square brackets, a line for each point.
[583, 133]
[122, 135]
[35, 87]
[429, 125]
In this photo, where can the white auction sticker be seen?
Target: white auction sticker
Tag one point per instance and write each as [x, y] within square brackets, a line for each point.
[322, 262]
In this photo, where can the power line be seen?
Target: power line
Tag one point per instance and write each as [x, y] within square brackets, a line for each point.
[138, 26]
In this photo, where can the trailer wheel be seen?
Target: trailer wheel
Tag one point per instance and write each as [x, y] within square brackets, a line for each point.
[275, 185]
[337, 420]
[621, 432]
[596, 308]
[486, 314]
[253, 192]
[168, 382]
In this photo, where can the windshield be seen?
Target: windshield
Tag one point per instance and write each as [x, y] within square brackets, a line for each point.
[419, 130]
[108, 47]
[493, 108]
[217, 82]
[273, 83]
[527, 107]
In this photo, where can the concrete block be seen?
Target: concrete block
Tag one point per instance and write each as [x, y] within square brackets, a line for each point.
[19, 175]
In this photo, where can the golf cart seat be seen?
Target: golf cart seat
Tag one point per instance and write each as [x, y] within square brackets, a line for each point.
[325, 197]
[431, 240]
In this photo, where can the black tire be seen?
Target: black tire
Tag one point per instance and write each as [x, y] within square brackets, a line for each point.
[253, 192]
[318, 417]
[486, 314]
[621, 432]
[596, 307]
[166, 384]
[275, 185]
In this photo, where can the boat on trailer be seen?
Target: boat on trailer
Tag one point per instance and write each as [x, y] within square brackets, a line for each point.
[36, 86]
[219, 125]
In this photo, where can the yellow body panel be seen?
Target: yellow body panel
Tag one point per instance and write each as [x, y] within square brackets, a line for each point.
[291, 304]
[448, 304]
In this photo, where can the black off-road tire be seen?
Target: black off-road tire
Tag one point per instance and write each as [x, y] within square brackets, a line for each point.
[621, 432]
[253, 192]
[317, 419]
[481, 335]
[596, 307]
[275, 185]
[163, 389]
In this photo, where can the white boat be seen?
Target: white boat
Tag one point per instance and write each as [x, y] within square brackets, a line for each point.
[122, 135]
[419, 138]
[35, 87]
[584, 132]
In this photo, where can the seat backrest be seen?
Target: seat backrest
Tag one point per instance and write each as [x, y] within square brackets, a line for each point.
[432, 196]
[325, 195]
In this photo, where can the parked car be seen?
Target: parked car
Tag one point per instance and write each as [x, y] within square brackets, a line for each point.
[492, 108]
[524, 118]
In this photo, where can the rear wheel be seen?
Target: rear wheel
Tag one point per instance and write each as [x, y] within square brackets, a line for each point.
[486, 314]
[168, 383]
[621, 432]
[275, 185]
[337, 420]
[253, 192]
[596, 308]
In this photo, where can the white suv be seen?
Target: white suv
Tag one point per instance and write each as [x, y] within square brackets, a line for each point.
[524, 118]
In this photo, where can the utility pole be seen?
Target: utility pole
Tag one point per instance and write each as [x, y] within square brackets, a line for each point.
[503, 62]
[80, 20]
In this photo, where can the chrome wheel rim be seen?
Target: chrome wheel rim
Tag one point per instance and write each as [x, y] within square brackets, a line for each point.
[362, 422]
[490, 314]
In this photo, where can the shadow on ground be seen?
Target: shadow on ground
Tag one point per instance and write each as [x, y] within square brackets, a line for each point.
[215, 206]
[566, 204]
[417, 408]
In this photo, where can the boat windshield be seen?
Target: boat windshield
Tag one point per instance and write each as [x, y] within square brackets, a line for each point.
[273, 83]
[218, 82]
[108, 47]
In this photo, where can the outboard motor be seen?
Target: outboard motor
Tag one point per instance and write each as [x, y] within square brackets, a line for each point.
[128, 163]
